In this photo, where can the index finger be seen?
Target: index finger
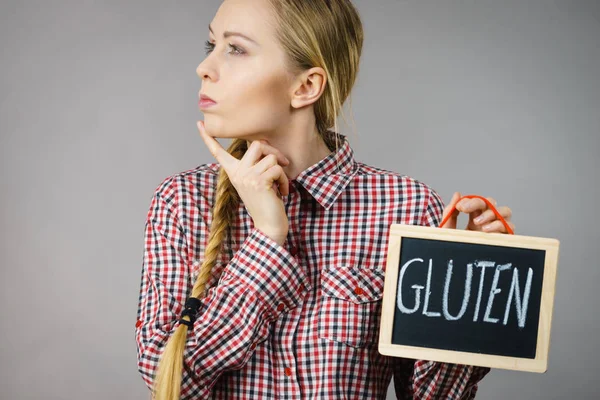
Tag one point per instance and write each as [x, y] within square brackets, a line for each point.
[223, 157]
[453, 201]
[469, 205]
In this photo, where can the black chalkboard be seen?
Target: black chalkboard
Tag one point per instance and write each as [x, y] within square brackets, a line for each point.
[477, 319]
[468, 297]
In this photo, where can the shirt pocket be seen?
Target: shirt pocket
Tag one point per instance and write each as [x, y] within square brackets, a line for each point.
[350, 305]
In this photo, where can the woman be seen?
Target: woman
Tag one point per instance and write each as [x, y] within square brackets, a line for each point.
[263, 273]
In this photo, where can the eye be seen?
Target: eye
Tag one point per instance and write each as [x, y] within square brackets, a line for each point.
[209, 47]
[236, 50]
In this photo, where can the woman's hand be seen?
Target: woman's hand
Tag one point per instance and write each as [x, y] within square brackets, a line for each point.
[256, 179]
[480, 217]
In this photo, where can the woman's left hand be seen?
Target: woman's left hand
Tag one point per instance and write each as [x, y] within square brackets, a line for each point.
[480, 217]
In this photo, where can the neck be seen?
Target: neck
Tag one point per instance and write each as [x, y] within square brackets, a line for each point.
[301, 148]
[302, 151]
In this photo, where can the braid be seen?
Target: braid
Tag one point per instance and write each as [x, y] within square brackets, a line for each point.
[167, 384]
[224, 214]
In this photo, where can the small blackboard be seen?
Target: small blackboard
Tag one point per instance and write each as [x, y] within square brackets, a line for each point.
[468, 297]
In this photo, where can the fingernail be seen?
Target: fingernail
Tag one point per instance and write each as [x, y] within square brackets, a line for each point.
[478, 219]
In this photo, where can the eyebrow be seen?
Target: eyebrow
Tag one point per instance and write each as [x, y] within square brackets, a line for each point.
[226, 34]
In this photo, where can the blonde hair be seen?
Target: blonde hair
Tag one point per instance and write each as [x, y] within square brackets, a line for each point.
[313, 33]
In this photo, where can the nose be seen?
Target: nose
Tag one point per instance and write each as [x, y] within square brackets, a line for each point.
[204, 70]
[201, 71]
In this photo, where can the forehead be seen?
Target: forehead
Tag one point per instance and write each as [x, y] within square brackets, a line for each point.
[249, 17]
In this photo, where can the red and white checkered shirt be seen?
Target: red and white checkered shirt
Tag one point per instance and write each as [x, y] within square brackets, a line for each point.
[292, 321]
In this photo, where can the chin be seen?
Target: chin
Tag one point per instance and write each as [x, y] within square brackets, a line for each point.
[226, 130]
[214, 127]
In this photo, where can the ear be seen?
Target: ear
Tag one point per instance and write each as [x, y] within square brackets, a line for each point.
[308, 87]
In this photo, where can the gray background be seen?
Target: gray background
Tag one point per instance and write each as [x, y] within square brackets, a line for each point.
[99, 104]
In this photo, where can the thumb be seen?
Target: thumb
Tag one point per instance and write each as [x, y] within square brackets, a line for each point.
[451, 223]
[228, 161]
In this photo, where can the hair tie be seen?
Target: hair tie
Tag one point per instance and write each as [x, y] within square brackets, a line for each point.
[489, 204]
[192, 305]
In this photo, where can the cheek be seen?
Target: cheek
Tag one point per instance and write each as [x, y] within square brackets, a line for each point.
[258, 104]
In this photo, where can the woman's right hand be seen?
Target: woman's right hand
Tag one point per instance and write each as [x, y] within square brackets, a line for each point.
[256, 182]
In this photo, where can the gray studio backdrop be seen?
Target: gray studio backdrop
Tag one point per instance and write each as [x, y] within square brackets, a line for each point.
[99, 105]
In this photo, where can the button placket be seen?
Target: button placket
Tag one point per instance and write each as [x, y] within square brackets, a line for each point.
[285, 357]
[285, 354]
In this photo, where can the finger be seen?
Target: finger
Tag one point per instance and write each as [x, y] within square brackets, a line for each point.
[491, 200]
[494, 226]
[451, 223]
[506, 212]
[282, 191]
[489, 215]
[258, 149]
[485, 217]
[266, 163]
[228, 161]
[275, 175]
[455, 198]
[470, 205]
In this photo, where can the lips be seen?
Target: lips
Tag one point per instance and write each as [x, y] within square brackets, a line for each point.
[206, 102]
[206, 99]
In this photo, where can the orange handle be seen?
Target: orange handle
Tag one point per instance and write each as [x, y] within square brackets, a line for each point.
[489, 204]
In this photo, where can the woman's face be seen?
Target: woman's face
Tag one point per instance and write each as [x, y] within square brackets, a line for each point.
[247, 78]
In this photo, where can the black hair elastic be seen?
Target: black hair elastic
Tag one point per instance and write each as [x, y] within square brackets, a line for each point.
[192, 305]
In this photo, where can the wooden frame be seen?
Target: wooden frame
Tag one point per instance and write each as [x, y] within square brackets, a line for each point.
[399, 231]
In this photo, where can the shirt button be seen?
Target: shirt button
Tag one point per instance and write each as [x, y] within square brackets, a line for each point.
[252, 346]
[358, 290]
[138, 323]
[294, 251]
[280, 307]
[288, 371]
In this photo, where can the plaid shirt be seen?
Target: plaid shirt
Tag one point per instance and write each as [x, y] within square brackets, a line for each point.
[292, 321]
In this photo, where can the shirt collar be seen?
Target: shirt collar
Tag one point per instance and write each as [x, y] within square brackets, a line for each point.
[327, 179]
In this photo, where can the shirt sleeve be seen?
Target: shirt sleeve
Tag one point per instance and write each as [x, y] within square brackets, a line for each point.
[261, 281]
[423, 379]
